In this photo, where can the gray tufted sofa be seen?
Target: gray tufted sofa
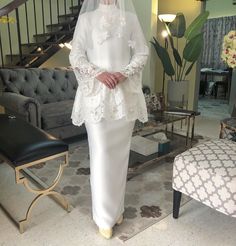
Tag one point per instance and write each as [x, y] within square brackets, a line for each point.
[44, 97]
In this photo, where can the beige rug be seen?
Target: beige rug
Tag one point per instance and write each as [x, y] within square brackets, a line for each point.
[148, 195]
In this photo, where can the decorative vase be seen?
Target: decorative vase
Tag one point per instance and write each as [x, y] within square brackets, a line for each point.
[177, 93]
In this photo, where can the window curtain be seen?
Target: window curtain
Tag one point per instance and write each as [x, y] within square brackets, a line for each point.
[214, 31]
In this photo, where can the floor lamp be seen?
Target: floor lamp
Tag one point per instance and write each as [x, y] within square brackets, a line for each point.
[165, 18]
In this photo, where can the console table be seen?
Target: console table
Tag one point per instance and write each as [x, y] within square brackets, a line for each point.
[163, 119]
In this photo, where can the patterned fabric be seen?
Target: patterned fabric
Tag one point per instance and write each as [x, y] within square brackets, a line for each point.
[207, 173]
[214, 31]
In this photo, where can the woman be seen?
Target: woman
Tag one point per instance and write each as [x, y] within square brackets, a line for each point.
[108, 54]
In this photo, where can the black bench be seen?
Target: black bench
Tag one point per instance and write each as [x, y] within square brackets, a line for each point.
[22, 146]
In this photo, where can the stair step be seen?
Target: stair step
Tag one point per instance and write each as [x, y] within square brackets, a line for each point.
[65, 23]
[72, 15]
[10, 66]
[75, 7]
[40, 44]
[54, 33]
[27, 55]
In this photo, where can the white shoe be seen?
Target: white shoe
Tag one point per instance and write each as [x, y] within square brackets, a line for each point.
[120, 220]
[106, 233]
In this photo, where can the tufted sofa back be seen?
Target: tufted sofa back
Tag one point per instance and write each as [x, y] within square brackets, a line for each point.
[44, 84]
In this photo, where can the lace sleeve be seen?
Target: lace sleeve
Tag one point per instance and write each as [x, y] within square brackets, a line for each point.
[139, 49]
[85, 71]
[135, 66]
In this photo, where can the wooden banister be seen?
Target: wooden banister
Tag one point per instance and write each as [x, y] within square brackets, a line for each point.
[11, 6]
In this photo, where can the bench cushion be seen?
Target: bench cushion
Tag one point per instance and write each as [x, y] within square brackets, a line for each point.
[21, 143]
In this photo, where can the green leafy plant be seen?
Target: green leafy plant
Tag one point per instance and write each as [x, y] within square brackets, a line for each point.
[181, 64]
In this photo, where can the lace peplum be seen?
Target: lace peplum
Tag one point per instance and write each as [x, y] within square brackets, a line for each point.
[92, 53]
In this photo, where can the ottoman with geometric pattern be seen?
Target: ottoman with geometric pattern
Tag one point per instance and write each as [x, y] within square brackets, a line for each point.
[207, 173]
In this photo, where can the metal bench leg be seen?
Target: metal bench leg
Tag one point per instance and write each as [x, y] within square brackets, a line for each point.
[63, 202]
[193, 128]
[49, 191]
[188, 130]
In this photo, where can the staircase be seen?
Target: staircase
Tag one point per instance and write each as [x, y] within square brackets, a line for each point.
[40, 30]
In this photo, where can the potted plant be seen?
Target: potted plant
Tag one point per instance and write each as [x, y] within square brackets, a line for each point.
[177, 65]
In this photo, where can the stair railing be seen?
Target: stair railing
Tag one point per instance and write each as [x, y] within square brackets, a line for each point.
[34, 21]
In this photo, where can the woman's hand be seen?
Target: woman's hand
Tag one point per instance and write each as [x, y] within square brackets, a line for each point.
[119, 76]
[108, 79]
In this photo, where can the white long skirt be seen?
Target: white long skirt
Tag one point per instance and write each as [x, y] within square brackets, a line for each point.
[109, 147]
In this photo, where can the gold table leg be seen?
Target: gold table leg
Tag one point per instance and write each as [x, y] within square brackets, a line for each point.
[188, 129]
[49, 191]
[193, 128]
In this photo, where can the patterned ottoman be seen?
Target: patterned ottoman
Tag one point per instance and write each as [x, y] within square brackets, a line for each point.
[207, 173]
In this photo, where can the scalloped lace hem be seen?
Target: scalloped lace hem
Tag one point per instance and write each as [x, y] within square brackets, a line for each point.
[79, 122]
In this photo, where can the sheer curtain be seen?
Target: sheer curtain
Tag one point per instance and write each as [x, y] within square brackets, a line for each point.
[214, 31]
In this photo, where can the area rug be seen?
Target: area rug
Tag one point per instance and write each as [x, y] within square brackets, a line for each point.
[148, 195]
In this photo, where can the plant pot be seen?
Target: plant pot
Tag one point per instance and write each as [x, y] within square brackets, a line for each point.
[177, 93]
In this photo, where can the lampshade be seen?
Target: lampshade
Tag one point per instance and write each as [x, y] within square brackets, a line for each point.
[167, 18]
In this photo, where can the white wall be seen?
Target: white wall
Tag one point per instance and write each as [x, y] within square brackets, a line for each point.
[220, 8]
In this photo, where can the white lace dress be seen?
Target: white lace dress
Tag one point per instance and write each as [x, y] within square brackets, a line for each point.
[100, 45]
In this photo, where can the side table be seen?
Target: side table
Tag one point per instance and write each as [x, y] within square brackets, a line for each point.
[228, 128]
[190, 115]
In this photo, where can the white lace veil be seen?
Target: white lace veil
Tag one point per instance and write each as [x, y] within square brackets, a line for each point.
[122, 5]
[122, 10]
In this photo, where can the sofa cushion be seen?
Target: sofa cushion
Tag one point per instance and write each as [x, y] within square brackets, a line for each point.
[46, 85]
[56, 114]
